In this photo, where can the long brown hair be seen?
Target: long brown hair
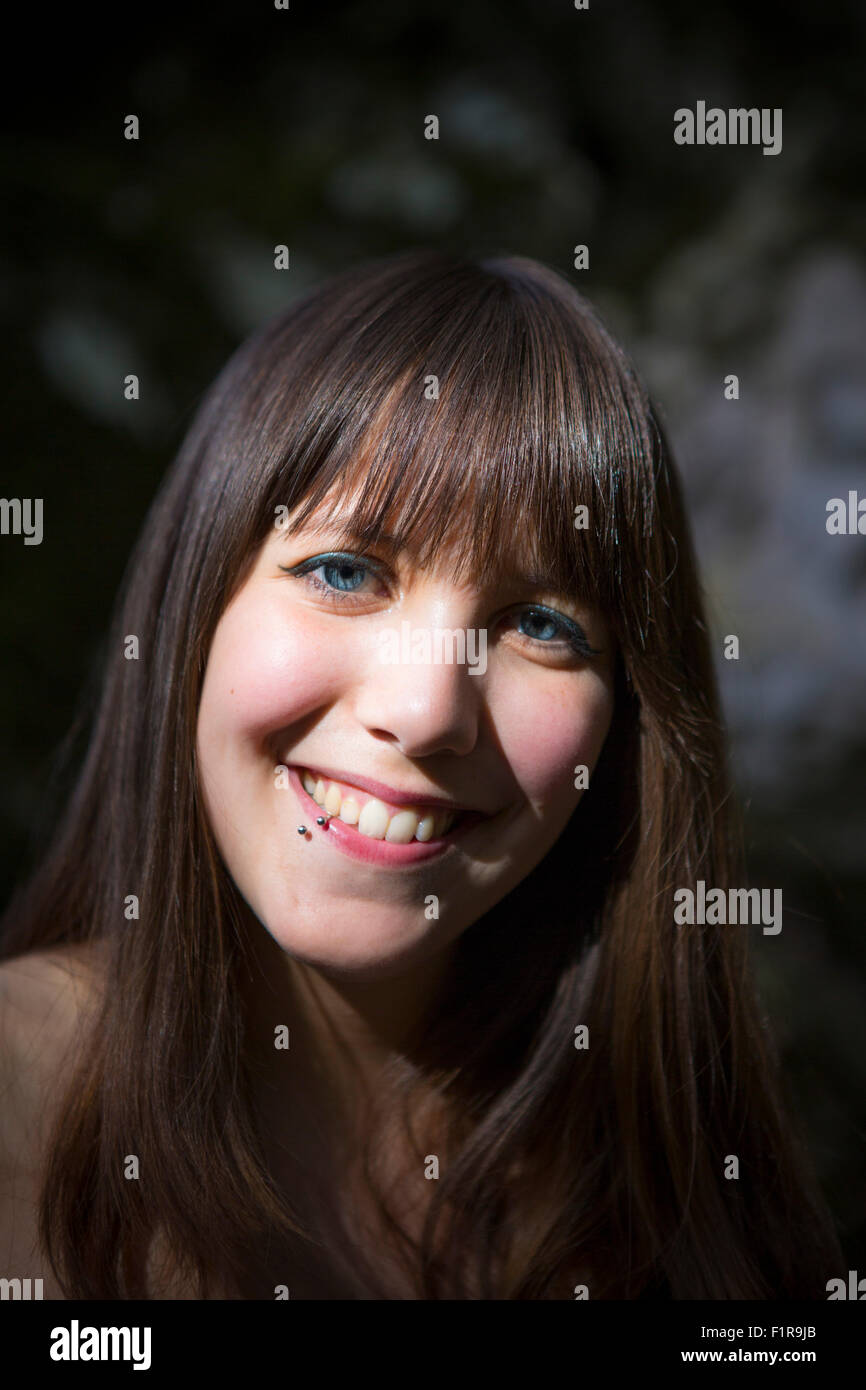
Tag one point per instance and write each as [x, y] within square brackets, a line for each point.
[603, 1165]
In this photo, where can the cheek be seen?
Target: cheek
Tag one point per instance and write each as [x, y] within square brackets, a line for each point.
[262, 673]
[563, 726]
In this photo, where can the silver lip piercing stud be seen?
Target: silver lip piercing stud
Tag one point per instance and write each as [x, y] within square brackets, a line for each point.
[320, 820]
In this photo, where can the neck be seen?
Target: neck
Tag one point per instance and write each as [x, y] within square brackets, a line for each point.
[343, 1031]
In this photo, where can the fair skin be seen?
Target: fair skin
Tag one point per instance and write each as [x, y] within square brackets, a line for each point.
[295, 678]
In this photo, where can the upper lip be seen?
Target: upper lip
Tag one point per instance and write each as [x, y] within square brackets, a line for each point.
[396, 795]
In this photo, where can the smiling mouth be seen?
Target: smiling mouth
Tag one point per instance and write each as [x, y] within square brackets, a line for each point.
[378, 820]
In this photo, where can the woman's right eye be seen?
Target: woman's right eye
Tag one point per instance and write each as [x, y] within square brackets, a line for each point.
[342, 575]
[337, 577]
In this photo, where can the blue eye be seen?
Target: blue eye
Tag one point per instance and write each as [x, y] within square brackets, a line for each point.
[539, 618]
[342, 575]
[551, 627]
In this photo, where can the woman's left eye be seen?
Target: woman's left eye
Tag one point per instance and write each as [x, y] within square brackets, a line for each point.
[550, 628]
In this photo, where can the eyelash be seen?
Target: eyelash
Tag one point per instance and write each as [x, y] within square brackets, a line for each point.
[574, 638]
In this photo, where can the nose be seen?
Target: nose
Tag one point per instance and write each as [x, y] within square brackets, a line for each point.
[422, 704]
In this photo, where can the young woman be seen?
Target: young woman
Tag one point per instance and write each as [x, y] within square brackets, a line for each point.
[355, 954]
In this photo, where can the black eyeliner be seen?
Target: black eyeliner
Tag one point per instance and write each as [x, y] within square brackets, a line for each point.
[577, 640]
[330, 557]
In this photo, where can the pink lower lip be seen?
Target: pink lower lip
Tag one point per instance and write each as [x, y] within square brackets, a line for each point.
[357, 846]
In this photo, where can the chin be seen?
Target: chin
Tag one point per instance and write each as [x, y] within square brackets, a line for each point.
[354, 945]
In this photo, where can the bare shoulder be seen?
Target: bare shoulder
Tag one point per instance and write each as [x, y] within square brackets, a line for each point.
[46, 1000]
[36, 979]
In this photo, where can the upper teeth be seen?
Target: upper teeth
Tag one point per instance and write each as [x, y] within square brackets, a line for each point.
[373, 818]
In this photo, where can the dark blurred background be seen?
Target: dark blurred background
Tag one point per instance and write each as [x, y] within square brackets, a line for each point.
[306, 127]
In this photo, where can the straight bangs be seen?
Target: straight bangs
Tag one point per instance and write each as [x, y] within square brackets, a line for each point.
[466, 412]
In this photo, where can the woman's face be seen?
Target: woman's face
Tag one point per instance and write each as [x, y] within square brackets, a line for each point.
[347, 678]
